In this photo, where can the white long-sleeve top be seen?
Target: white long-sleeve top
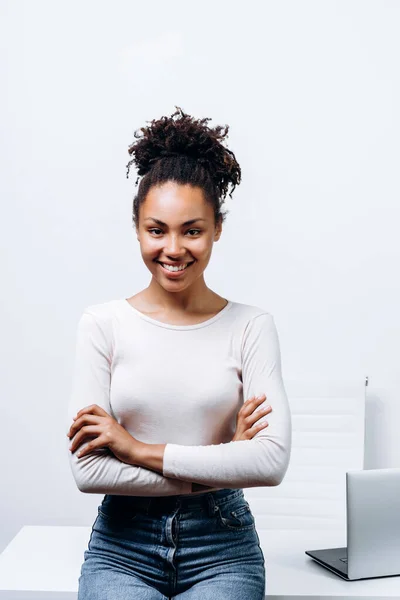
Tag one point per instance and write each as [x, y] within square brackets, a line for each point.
[180, 385]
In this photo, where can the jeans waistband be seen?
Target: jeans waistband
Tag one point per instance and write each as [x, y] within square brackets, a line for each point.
[166, 504]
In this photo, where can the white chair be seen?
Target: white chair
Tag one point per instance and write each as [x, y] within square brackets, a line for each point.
[328, 425]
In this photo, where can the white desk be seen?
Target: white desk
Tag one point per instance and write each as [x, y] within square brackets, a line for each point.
[292, 574]
[43, 563]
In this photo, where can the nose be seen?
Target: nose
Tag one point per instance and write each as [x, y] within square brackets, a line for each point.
[173, 247]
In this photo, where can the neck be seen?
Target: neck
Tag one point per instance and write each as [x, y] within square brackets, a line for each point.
[193, 299]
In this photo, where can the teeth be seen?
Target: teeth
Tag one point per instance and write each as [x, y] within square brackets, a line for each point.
[173, 268]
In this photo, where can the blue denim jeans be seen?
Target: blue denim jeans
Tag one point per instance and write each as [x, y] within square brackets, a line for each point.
[203, 547]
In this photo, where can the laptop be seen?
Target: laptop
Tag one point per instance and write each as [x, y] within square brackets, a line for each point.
[373, 527]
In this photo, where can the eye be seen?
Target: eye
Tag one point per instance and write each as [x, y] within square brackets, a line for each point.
[156, 229]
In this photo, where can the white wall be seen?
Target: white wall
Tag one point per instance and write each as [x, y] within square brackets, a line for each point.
[311, 92]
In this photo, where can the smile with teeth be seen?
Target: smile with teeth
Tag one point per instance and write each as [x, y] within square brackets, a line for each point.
[173, 268]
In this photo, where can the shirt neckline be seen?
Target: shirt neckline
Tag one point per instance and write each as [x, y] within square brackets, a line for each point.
[181, 327]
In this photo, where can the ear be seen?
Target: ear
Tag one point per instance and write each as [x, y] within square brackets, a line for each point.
[218, 231]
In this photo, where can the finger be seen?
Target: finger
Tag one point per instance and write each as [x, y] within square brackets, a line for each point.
[98, 442]
[252, 403]
[258, 414]
[83, 434]
[85, 419]
[256, 400]
[93, 409]
[84, 450]
[82, 411]
[260, 426]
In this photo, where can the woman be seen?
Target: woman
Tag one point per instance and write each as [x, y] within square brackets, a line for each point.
[158, 395]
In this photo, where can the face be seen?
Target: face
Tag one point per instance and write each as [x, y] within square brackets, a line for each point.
[176, 227]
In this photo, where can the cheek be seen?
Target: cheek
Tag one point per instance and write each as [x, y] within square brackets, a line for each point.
[151, 249]
[201, 248]
[206, 251]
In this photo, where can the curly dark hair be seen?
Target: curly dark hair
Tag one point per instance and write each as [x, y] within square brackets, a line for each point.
[186, 151]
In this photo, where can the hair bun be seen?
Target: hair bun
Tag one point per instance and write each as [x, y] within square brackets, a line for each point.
[184, 135]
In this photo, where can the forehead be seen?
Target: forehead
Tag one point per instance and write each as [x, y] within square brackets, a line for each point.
[174, 201]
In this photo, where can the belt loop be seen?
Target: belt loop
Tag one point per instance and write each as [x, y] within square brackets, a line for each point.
[148, 505]
[212, 507]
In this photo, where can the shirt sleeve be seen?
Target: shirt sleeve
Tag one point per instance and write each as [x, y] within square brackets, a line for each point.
[100, 471]
[263, 460]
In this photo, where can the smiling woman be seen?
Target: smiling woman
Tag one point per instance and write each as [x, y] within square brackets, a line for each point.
[162, 388]
[177, 212]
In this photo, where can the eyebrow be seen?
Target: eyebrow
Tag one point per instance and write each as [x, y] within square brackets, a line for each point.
[165, 225]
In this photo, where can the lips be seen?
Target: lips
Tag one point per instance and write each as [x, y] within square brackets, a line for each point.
[176, 273]
[161, 262]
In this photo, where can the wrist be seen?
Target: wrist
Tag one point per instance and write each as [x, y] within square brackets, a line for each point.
[139, 453]
[151, 456]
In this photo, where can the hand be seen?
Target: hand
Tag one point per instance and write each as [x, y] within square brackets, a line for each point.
[246, 418]
[94, 421]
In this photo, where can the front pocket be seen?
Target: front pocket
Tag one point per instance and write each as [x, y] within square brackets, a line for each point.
[117, 516]
[237, 518]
